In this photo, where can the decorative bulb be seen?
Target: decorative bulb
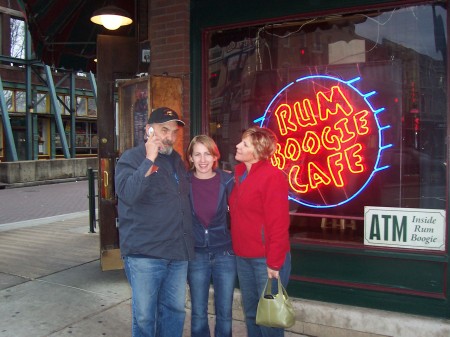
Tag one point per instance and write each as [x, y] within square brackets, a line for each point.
[111, 22]
[111, 17]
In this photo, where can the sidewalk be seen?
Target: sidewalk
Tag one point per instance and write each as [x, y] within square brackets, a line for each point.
[51, 284]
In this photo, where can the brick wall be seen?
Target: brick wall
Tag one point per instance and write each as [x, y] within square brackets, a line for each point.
[169, 42]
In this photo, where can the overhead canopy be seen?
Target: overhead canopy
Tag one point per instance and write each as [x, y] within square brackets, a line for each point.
[63, 35]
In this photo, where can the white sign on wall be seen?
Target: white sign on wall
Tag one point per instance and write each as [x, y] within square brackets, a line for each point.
[413, 228]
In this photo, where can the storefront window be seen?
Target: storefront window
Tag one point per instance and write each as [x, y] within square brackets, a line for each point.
[43, 136]
[81, 133]
[17, 37]
[358, 102]
[41, 105]
[67, 102]
[20, 101]
[92, 107]
[81, 106]
[86, 137]
[94, 137]
[60, 102]
[9, 99]
[19, 134]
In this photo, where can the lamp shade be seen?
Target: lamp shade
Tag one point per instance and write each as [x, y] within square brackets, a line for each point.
[111, 17]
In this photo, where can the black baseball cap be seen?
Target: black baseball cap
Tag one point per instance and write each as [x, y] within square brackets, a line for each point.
[164, 114]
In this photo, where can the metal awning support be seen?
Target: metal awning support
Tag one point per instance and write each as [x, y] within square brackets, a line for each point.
[31, 144]
[73, 113]
[57, 111]
[11, 146]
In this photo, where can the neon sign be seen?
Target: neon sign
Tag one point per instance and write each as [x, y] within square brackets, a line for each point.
[330, 139]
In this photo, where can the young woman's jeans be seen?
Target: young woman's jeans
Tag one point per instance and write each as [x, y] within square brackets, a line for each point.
[158, 289]
[252, 275]
[221, 268]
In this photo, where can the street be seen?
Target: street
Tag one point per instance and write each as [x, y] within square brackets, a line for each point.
[43, 201]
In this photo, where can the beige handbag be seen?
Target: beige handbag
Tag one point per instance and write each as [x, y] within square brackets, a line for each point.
[275, 310]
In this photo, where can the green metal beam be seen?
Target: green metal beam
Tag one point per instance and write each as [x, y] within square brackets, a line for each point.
[30, 130]
[11, 146]
[73, 113]
[57, 111]
[35, 139]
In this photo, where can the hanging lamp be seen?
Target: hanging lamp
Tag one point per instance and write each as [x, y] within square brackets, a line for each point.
[111, 17]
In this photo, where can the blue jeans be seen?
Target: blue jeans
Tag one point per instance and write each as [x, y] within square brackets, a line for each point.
[252, 274]
[221, 268]
[158, 289]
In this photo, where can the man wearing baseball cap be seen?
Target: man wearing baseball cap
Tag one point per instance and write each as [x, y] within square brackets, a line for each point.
[155, 227]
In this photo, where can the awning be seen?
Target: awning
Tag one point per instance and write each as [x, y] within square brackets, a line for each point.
[63, 35]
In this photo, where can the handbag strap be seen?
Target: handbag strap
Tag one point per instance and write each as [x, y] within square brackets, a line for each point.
[281, 289]
[268, 288]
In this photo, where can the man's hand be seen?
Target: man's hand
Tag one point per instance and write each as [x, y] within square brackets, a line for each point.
[152, 145]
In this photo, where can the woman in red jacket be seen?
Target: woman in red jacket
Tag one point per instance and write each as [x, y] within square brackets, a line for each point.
[259, 209]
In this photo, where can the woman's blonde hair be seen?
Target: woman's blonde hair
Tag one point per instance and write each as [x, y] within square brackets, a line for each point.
[263, 140]
[209, 143]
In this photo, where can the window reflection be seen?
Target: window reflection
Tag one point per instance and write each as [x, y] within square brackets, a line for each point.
[81, 106]
[41, 105]
[399, 54]
[20, 101]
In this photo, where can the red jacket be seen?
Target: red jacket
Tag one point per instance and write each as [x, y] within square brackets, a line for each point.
[259, 209]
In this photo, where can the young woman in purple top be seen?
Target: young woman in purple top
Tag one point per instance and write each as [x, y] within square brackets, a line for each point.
[214, 257]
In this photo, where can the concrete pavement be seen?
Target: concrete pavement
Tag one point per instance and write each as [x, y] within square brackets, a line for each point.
[51, 283]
